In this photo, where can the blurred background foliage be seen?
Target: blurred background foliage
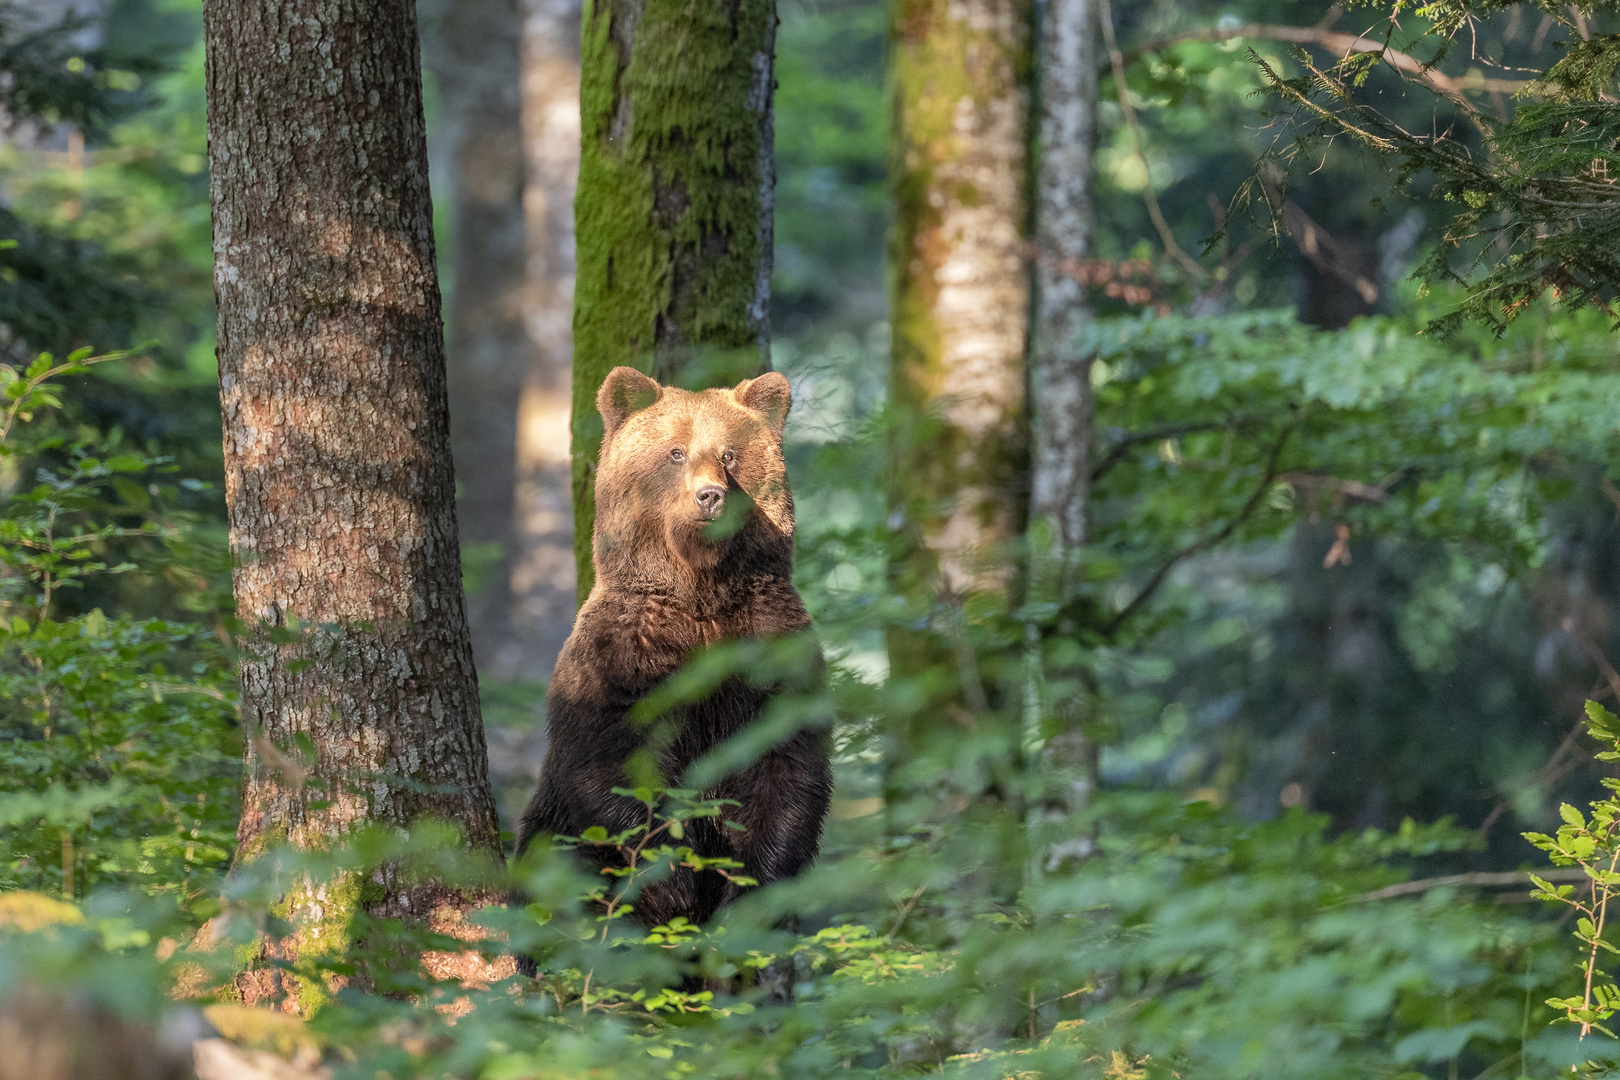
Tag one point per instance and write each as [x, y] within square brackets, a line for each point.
[1345, 577]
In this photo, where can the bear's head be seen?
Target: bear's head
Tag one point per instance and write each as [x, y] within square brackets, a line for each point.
[691, 482]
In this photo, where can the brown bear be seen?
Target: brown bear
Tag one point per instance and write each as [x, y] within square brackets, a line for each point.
[693, 545]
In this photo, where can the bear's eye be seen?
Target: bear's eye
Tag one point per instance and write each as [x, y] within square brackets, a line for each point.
[677, 455]
[728, 459]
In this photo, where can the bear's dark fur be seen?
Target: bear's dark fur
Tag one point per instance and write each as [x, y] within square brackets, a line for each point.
[671, 462]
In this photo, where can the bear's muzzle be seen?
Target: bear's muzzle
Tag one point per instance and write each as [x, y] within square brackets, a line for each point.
[711, 499]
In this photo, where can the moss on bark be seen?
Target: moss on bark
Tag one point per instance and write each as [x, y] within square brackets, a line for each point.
[673, 210]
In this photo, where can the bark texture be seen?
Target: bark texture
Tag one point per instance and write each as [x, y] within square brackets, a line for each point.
[1060, 376]
[961, 284]
[543, 578]
[673, 211]
[336, 429]
[472, 49]
[1060, 371]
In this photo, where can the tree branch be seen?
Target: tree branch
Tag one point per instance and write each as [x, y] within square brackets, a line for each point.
[1343, 44]
[1487, 879]
[1117, 63]
[1198, 545]
[1124, 440]
[1591, 649]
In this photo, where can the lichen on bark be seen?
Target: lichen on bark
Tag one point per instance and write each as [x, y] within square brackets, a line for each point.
[673, 209]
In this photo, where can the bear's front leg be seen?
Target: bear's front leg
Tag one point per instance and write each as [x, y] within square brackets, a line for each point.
[783, 800]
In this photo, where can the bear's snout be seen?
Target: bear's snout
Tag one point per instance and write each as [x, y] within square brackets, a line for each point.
[711, 498]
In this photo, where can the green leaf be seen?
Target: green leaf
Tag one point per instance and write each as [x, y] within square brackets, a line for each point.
[1602, 722]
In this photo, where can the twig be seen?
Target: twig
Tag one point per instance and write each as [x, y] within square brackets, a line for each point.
[1343, 44]
[1216, 537]
[38, 380]
[1125, 440]
[1597, 936]
[1486, 879]
[1123, 90]
[905, 911]
[1588, 646]
[1354, 489]
[1555, 769]
[1318, 246]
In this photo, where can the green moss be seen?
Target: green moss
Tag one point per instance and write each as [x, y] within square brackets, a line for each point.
[270, 838]
[668, 207]
[323, 916]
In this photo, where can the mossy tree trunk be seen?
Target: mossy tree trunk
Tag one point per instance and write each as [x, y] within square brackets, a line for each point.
[543, 573]
[960, 304]
[472, 48]
[336, 436]
[959, 452]
[673, 211]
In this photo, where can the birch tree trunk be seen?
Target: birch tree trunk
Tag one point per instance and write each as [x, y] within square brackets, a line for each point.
[1061, 371]
[959, 148]
[471, 47]
[673, 211]
[543, 580]
[336, 433]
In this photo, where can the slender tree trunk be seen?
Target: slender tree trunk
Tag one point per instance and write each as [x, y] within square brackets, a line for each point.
[472, 48]
[543, 580]
[1061, 370]
[674, 206]
[961, 285]
[336, 432]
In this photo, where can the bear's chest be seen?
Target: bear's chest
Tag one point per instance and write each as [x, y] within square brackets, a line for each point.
[674, 630]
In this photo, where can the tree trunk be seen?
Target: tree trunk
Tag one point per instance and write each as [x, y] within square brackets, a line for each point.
[543, 578]
[1061, 372]
[336, 431]
[674, 206]
[961, 286]
[959, 455]
[471, 47]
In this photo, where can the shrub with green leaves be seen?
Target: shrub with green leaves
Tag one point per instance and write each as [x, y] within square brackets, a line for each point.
[961, 920]
[121, 748]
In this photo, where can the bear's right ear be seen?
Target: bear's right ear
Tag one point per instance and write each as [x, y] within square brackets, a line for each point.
[624, 391]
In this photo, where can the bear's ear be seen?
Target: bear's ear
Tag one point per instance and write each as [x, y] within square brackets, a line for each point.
[769, 395]
[625, 391]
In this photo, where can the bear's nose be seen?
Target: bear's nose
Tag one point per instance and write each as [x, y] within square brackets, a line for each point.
[710, 497]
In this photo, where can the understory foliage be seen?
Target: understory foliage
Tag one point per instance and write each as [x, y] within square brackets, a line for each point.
[966, 917]
[120, 757]
[991, 904]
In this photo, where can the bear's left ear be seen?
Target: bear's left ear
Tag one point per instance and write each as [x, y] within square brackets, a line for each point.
[770, 396]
